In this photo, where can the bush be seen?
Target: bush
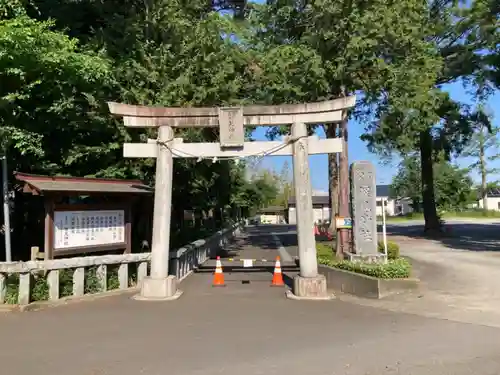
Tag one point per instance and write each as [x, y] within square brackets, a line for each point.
[392, 249]
[393, 269]
[325, 251]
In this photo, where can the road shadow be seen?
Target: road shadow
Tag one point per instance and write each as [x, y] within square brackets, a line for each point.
[287, 234]
[459, 236]
[255, 269]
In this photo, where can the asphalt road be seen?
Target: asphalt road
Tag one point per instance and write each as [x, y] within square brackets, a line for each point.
[469, 235]
[248, 328]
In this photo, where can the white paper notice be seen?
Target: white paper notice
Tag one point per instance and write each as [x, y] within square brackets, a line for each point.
[87, 228]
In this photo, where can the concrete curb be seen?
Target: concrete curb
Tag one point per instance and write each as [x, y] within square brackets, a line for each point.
[366, 286]
[289, 294]
[40, 305]
[177, 295]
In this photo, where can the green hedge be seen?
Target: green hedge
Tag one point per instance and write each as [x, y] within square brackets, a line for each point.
[392, 249]
[328, 252]
[325, 251]
[393, 269]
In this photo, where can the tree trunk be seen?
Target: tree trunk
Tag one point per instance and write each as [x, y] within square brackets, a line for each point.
[218, 216]
[482, 164]
[432, 222]
[342, 238]
[333, 179]
[198, 219]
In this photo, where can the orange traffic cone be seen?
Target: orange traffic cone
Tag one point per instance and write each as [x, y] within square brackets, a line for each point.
[218, 275]
[277, 275]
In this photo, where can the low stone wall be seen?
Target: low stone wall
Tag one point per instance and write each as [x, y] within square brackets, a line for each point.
[365, 286]
[188, 258]
[182, 263]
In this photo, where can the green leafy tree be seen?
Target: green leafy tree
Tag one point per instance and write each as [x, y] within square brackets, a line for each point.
[484, 148]
[284, 186]
[461, 35]
[453, 185]
[57, 76]
[325, 49]
[407, 182]
[52, 100]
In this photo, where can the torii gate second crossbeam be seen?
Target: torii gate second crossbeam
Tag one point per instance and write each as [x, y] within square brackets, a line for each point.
[231, 121]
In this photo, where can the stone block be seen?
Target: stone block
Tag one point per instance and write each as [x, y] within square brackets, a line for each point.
[366, 258]
[164, 289]
[309, 288]
[366, 286]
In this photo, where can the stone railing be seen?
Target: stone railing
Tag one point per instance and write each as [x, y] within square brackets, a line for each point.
[182, 263]
[188, 258]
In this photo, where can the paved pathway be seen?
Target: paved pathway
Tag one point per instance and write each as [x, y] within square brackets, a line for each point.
[459, 272]
[243, 328]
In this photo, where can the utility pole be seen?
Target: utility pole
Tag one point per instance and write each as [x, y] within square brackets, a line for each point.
[6, 210]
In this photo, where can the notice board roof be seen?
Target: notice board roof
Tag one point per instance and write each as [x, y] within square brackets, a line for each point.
[38, 185]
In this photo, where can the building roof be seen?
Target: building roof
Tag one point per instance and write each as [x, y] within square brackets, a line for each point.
[37, 185]
[316, 199]
[382, 191]
[272, 210]
[493, 193]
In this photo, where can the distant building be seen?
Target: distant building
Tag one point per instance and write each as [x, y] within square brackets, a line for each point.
[392, 207]
[492, 201]
[272, 215]
[321, 209]
[321, 206]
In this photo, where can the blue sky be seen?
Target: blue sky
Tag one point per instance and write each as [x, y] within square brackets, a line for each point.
[358, 150]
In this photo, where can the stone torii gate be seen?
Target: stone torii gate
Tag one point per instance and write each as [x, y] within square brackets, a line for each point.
[231, 122]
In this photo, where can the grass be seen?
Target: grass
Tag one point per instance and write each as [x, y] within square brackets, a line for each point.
[395, 268]
[469, 214]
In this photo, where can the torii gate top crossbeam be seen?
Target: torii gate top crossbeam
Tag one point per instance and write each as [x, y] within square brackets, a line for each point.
[257, 115]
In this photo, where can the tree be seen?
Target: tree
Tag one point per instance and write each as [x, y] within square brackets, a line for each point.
[453, 185]
[318, 50]
[483, 147]
[285, 186]
[254, 193]
[461, 34]
[407, 182]
[51, 90]
[57, 76]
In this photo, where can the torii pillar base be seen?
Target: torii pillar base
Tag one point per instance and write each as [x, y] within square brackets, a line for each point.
[309, 288]
[164, 289]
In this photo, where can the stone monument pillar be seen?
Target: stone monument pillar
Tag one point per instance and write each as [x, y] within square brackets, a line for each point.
[364, 210]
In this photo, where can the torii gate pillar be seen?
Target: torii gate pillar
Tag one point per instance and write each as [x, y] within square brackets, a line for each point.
[160, 285]
[309, 284]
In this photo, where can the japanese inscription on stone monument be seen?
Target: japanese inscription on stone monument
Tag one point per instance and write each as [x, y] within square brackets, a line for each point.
[364, 207]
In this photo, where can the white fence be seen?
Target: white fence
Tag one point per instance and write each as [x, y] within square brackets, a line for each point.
[182, 263]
